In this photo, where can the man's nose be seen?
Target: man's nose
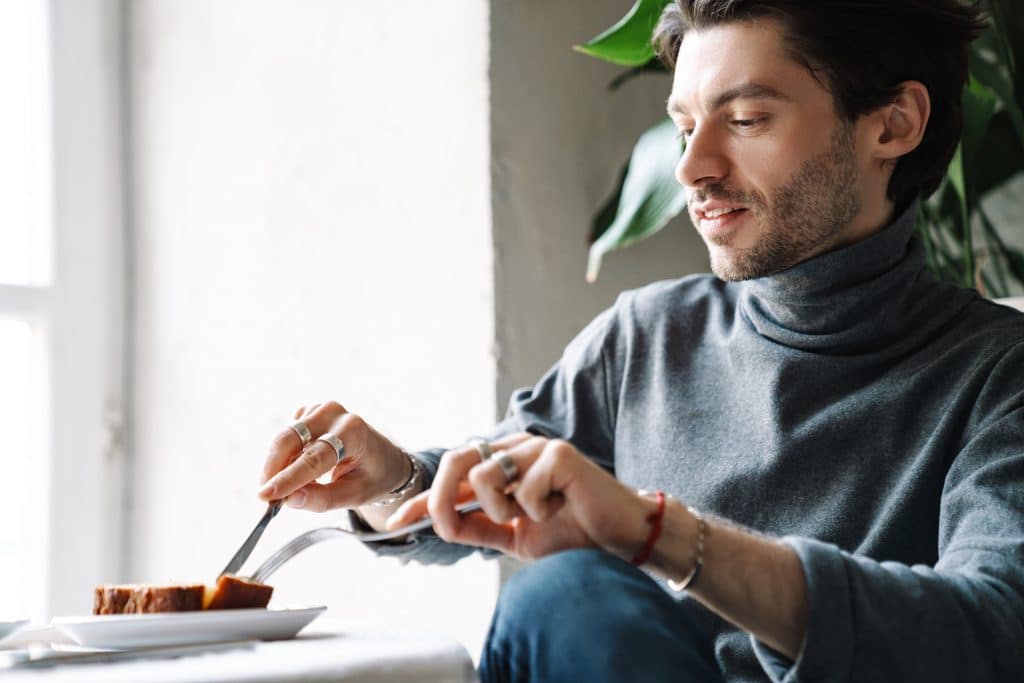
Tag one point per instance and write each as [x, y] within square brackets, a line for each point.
[703, 160]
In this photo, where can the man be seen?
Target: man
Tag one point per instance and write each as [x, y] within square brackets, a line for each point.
[840, 438]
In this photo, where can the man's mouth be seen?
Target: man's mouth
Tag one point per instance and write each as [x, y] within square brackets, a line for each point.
[715, 213]
[719, 224]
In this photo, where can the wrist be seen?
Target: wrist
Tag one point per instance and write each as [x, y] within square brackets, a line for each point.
[410, 485]
[654, 521]
[679, 553]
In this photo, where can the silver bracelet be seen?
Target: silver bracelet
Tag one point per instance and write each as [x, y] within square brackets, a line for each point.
[396, 495]
[697, 555]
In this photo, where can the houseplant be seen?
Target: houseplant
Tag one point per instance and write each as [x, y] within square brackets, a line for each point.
[963, 245]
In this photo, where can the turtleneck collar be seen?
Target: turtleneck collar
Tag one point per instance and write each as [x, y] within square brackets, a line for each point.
[860, 297]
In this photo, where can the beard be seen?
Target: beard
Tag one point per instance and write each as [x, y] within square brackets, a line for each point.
[805, 217]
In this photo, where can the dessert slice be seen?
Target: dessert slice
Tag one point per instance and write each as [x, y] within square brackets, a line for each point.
[233, 592]
[109, 599]
[144, 599]
[230, 592]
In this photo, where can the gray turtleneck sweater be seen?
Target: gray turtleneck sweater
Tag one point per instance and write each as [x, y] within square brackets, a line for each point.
[870, 417]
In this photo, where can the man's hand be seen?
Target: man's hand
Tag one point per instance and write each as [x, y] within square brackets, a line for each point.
[560, 500]
[371, 465]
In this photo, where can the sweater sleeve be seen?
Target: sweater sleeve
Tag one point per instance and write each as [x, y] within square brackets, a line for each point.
[962, 619]
[571, 401]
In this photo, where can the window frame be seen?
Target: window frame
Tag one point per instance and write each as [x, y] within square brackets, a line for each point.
[85, 316]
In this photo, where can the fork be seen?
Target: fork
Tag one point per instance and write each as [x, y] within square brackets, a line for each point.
[329, 533]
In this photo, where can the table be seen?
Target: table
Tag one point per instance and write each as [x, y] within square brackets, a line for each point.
[324, 652]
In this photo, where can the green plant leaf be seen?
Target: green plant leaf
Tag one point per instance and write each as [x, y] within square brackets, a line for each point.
[650, 195]
[987, 69]
[628, 42]
[955, 173]
[979, 103]
[1008, 27]
[606, 214]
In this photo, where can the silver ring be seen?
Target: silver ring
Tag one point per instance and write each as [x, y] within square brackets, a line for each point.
[302, 431]
[482, 447]
[335, 443]
[507, 465]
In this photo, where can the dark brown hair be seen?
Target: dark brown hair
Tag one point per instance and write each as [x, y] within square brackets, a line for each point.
[862, 50]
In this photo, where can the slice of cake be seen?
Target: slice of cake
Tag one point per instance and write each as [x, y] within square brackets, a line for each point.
[144, 599]
[233, 592]
[110, 599]
[230, 592]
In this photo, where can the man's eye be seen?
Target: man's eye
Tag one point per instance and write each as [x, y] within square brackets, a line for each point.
[746, 123]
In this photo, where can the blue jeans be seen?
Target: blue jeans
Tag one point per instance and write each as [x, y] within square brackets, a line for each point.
[585, 615]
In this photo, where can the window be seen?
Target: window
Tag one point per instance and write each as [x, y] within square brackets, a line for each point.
[61, 279]
[25, 297]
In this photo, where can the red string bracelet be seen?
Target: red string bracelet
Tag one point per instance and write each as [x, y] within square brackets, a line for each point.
[654, 519]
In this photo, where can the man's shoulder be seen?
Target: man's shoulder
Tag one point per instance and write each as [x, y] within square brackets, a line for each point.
[679, 296]
[991, 326]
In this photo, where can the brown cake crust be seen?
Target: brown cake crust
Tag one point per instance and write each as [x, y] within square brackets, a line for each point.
[144, 599]
[109, 599]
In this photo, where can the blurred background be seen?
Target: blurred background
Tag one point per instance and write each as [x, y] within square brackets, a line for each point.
[217, 211]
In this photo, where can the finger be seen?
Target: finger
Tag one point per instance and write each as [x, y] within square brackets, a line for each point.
[287, 445]
[347, 492]
[322, 416]
[416, 507]
[491, 484]
[443, 492]
[320, 458]
[449, 486]
[452, 471]
[539, 493]
[509, 441]
[408, 512]
[284, 449]
[478, 529]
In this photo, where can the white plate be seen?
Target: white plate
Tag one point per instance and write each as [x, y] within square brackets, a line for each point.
[9, 627]
[121, 631]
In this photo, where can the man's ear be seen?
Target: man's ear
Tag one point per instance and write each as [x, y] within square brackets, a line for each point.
[897, 128]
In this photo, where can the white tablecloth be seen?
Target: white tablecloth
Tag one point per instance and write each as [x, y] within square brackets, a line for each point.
[323, 652]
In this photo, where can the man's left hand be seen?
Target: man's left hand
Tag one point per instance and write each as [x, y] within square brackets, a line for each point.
[559, 500]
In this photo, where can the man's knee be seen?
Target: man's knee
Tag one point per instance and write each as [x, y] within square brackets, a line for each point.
[589, 615]
[572, 593]
[559, 584]
[548, 586]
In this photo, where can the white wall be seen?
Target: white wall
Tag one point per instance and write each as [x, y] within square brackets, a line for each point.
[559, 138]
[312, 221]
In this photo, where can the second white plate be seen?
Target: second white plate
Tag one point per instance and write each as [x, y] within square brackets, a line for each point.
[123, 631]
[9, 627]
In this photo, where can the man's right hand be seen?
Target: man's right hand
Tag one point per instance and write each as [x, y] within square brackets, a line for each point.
[371, 467]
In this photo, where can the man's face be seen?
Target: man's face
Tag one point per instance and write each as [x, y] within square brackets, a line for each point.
[764, 139]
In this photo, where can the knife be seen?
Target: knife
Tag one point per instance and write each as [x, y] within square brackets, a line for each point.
[243, 553]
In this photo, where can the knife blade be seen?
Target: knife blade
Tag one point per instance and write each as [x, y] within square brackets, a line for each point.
[243, 553]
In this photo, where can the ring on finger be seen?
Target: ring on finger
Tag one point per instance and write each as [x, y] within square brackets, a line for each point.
[302, 431]
[482, 447]
[507, 465]
[334, 442]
